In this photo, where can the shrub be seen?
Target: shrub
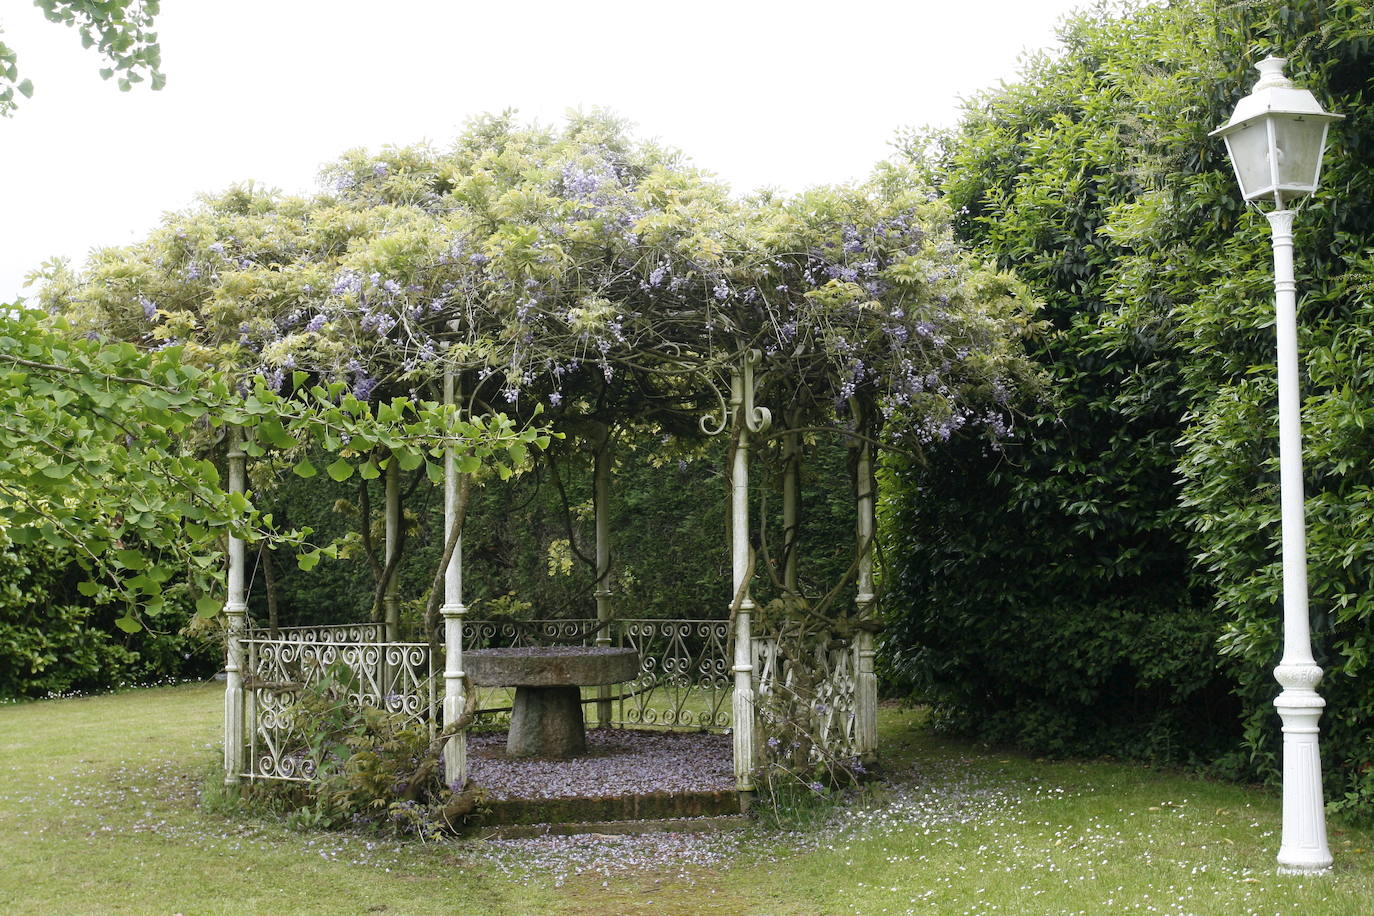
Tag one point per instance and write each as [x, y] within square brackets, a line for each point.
[1108, 580]
[51, 643]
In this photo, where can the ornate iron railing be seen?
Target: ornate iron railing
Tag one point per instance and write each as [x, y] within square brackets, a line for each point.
[335, 633]
[684, 682]
[500, 634]
[395, 676]
[685, 678]
[824, 691]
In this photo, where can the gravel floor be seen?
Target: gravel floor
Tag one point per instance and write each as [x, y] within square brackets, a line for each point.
[618, 762]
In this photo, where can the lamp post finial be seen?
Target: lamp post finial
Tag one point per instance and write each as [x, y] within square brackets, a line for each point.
[1271, 74]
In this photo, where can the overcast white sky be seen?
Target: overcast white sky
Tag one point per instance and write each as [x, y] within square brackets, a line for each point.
[786, 93]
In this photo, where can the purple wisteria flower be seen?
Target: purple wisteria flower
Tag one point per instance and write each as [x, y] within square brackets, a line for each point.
[348, 281]
[578, 182]
[378, 323]
[363, 388]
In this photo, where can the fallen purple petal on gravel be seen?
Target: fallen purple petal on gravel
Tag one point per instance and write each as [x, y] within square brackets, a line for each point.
[618, 762]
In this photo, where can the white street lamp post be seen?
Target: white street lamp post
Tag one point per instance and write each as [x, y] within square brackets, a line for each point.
[1276, 138]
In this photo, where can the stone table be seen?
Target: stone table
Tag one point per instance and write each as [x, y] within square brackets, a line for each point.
[546, 718]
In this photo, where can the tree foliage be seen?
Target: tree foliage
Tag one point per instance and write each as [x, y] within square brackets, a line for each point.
[104, 453]
[577, 275]
[578, 271]
[577, 279]
[120, 30]
[1118, 574]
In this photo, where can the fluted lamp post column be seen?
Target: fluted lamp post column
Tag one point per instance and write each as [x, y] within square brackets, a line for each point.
[1275, 139]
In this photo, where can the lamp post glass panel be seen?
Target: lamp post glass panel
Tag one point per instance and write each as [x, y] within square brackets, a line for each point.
[1275, 139]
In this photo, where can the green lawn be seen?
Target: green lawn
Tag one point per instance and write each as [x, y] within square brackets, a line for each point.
[100, 812]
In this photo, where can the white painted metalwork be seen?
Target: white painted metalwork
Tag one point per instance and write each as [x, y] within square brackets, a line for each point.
[688, 668]
[341, 632]
[235, 612]
[397, 677]
[453, 610]
[1303, 847]
[684, 674]
[685, 678]
[501, 634]
[745, 418]
[824, 682]
[1276, 139]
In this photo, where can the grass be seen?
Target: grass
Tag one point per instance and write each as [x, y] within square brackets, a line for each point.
[101, 811]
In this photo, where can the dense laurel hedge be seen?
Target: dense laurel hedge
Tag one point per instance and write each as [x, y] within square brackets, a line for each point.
[1111, 583]
[669, 536]
[53, 642]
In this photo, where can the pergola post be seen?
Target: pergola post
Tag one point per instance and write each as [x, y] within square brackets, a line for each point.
[452, 610]
[603, 568]
[791, 498]
[391, 601]
[742, 703]
[746, 418]
[235, 611]
[866, 681]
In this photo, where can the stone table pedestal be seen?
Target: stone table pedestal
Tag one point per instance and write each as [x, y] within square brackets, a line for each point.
[546, 718]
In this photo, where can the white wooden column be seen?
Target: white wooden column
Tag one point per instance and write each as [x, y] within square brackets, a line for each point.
[456, 750]
[235, 610]
[603, 568]
[391, 601]
[866, 682]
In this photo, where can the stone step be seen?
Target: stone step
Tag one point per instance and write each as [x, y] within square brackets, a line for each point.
[652, 806]
[713, 824]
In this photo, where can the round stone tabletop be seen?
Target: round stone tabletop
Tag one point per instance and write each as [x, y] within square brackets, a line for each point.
[551, 666]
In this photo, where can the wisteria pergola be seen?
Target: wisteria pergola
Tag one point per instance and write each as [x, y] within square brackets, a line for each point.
[831, 674]
[582, 282]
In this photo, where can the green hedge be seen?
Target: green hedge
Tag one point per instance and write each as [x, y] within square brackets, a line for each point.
[51, 643]
[1110, 582]
[669, 536]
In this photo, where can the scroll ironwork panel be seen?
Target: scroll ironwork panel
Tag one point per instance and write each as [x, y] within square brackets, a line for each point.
[335, 633]
[825, 688]
[394, 676]
[685, 677]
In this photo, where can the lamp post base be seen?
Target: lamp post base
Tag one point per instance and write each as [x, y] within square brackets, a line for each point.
[1301, 870]
[1303, 849]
